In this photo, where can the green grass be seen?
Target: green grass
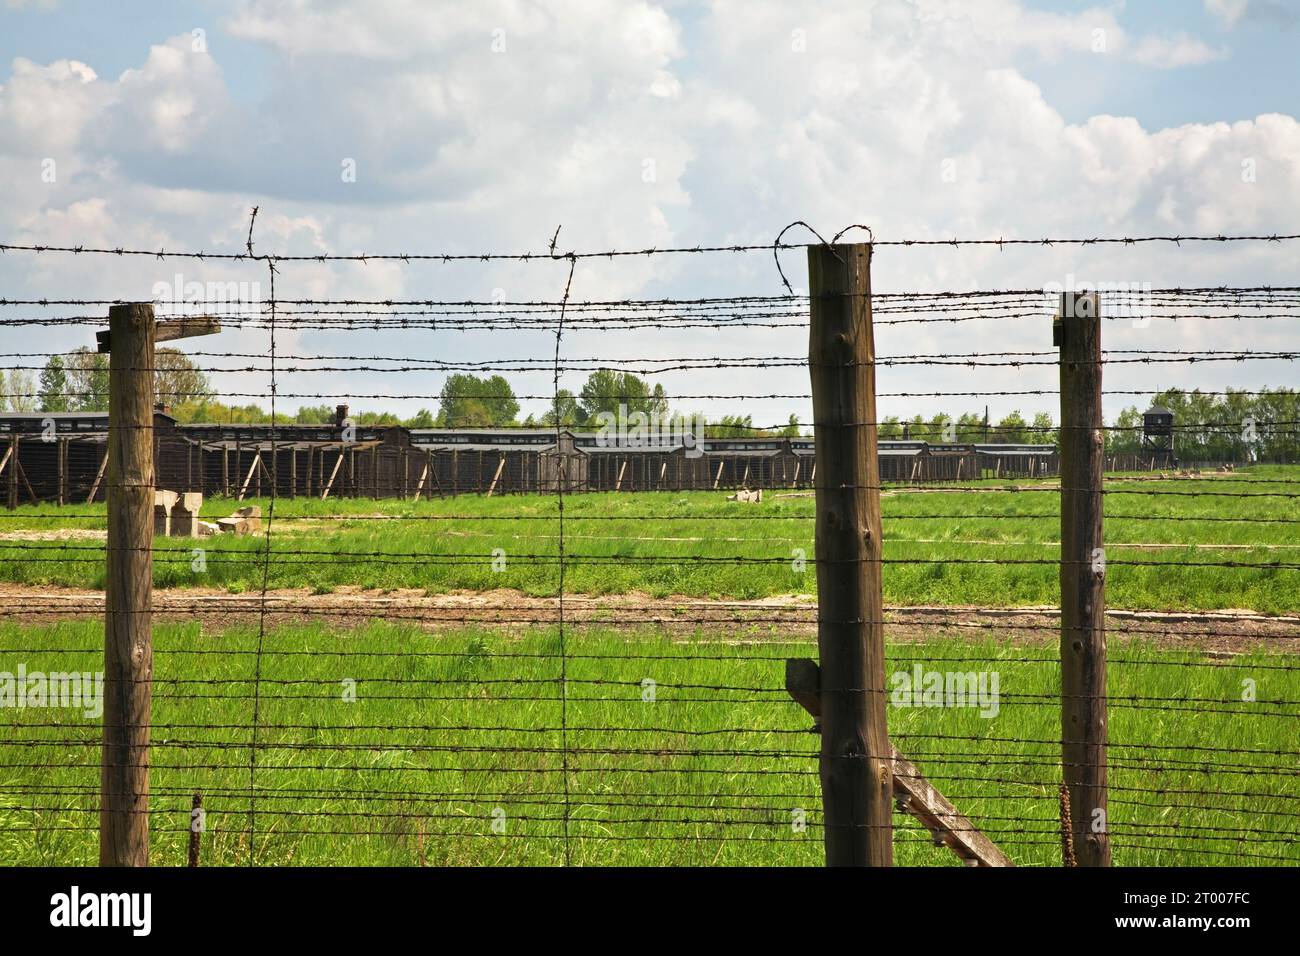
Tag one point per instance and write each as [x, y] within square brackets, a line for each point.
[735, 766]
[680, 543]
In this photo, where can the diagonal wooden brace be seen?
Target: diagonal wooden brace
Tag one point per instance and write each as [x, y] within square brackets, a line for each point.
[912, 792]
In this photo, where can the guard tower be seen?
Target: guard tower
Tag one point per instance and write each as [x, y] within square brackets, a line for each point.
[1158, 436]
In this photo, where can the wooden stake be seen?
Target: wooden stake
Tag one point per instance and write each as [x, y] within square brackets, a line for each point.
[128, 591]
[497, 477]
[856, 763]
[252, 469]
[333, 474]
[1083, 581]
[99, 476]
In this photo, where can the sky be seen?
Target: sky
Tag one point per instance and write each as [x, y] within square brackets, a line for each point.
[411, 127]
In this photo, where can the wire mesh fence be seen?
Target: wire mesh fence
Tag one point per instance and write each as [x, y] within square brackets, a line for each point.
[513, 644]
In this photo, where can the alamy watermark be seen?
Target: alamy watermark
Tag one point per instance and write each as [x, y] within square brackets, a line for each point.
[921, 688]
[191, 297]
[1119, 300]
[38, 690]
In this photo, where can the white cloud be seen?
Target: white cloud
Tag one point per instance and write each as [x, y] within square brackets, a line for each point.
[1172, 52]
[632, 131]
[1229, 11]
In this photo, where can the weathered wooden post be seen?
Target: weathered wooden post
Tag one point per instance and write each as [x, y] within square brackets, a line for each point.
[128, 590]
[1083, 577]
[128, 583]
[856, 763]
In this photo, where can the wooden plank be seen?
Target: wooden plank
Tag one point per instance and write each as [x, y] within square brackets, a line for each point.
[333, 474]
[22, 475]
[948, 827]
[914, 794]
[99, 475]
[856, 769]
[257, 460]
[168, 330]
[1083, 580]
[497, 477]
[419, 485]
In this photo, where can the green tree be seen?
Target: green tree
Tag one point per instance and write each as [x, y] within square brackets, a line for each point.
[87, 374]
[1042, 432]
[1013, 429]
[314, 415]
[570, 412]
[21, 391]
[383, 419]
[791, 429]
[421, 419]
[468, 401]
[733, 426]
[1126, 435]
[54, 386]
[177, 380]
[606, 390]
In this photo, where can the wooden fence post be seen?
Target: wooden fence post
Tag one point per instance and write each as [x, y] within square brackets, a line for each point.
[128, 590]
[1083, 579]
[856, 764]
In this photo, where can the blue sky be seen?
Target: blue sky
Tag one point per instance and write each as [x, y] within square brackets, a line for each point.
[637, 123]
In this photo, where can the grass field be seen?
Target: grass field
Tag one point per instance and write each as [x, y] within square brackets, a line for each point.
[701, 775]
[994, 546]
[457, 732]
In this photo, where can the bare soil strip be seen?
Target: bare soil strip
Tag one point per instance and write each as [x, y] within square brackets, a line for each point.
[777, 618]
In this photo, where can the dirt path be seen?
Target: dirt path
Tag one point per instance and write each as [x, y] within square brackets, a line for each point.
[768, 619]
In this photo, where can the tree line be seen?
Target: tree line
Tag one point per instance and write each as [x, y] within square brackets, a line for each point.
[1228, 426]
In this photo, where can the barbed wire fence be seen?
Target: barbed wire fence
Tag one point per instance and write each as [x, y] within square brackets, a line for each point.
[554, 723]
